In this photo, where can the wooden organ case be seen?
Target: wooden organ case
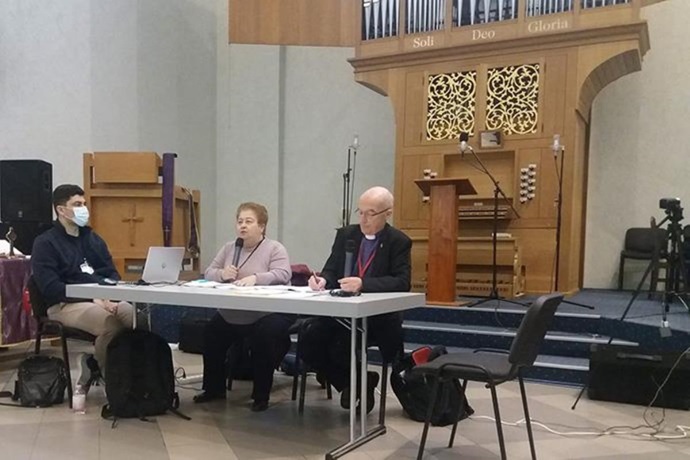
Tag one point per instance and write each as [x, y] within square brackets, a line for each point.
[512, 75]
[524, 70]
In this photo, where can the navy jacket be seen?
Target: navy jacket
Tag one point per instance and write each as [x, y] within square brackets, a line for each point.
[390, 270]
[56, 260]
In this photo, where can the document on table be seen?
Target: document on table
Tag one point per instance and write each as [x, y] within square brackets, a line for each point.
[291, 291]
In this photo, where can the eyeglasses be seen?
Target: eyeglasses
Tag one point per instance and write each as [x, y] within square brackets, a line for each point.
[369, 214]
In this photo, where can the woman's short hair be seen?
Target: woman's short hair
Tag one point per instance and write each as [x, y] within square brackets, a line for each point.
[258, 209]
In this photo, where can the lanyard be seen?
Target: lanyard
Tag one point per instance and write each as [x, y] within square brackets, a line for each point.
[363, 269]
[250, 254]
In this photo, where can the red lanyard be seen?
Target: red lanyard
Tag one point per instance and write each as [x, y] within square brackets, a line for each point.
[362, 270]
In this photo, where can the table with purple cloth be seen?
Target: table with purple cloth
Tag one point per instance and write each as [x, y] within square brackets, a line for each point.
[16, 324]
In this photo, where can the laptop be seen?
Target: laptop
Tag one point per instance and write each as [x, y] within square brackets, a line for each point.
[163, 264]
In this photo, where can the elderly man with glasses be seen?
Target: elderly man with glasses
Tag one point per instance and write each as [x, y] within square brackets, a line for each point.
[381, 264]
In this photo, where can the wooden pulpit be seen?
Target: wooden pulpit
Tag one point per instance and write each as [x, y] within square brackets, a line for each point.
[125, 193]
[443, 236]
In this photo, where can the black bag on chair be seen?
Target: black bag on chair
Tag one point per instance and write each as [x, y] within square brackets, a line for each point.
[41, 381]
[414, 391]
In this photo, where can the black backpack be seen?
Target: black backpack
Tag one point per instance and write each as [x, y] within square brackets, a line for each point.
[41, 382]
[414, 391]
[139, 376]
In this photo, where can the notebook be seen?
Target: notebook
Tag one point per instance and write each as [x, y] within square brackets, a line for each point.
[163, 264]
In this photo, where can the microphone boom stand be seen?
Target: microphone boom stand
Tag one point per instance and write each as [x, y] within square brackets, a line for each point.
[493, 294]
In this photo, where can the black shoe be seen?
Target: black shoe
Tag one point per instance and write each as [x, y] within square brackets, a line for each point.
[206, 397]
[259, 406]
[90, 372]
[372, 382]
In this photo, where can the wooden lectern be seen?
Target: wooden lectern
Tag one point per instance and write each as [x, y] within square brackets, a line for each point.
[443, 236]
[125, 194]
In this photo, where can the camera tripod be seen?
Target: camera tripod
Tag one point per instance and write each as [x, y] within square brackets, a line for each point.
[676, 274]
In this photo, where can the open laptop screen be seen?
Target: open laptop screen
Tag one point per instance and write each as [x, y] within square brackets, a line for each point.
[163, 264]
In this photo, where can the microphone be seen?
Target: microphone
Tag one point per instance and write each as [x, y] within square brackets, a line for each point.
[463, 144]
[355, 143]
[349, 257]
[556, 145]
[239, 242]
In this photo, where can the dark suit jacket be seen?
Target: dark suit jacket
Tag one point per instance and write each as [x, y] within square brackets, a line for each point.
[390, 271]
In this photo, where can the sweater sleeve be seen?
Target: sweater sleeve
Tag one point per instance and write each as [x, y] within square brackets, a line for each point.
[107, 269]
[215, 269]
[279, 271]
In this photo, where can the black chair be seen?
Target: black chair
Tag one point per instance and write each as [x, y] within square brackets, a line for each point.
[46, 326]
[302, 370]
[494, 367]
[644, 244]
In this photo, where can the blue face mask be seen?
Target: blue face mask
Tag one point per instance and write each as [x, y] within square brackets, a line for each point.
[81, 215]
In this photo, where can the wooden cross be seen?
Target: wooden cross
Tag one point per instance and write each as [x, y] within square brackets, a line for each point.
[132, 219]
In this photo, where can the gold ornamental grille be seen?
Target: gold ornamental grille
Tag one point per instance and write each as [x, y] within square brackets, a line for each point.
[451, 105]
[513, 98]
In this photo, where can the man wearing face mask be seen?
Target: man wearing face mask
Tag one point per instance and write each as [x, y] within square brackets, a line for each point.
[72, 253]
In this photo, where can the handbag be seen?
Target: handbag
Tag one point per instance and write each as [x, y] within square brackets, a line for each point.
[41, 382]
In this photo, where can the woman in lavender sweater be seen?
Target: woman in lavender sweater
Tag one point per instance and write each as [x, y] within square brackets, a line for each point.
[262, 261]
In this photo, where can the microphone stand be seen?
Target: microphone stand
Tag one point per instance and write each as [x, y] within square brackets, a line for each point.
[559, 214]
[493, 294]
[348, 180]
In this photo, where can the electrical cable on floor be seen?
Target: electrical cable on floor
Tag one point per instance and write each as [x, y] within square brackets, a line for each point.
[656, 427]
[629, 432]
[180, 374]
[649, 411]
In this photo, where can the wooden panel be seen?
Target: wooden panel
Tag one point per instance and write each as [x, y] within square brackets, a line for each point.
[500, 164]
[125, 167]
[294, 22]
[443, 235]
[474, 266]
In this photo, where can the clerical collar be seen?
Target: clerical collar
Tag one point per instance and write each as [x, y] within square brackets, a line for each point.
[370, 237]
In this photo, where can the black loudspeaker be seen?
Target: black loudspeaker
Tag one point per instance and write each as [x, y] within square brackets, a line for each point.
[633, 375]
[26, 191]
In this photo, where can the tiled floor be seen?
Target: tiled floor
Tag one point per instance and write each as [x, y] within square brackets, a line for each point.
[229, 430]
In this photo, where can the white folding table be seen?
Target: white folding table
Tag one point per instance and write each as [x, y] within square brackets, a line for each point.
[279, 301]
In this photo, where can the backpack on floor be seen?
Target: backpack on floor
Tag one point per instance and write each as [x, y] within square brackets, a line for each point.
[414, 391]
[41, 382]
[139, 377]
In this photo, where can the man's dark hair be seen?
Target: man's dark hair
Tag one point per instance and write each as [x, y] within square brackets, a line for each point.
[64, 192]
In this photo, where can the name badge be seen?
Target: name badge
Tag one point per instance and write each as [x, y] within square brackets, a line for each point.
[86, 268]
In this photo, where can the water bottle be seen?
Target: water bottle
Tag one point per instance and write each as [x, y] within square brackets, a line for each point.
[79, 400]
